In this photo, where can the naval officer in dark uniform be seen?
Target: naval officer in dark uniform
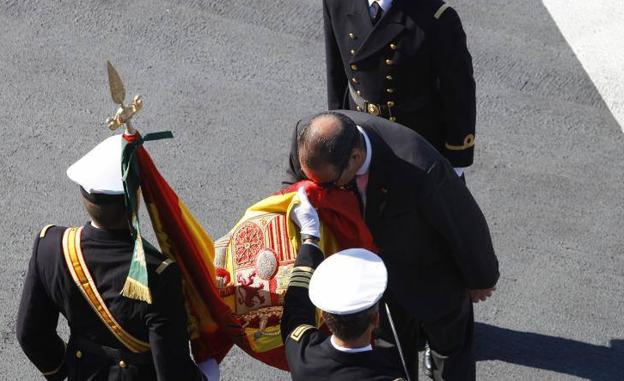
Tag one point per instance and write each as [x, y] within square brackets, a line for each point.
[127, 339]
[407, 61]
[347, 288]
[431, 233]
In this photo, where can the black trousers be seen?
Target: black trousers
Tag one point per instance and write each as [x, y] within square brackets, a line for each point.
[451, 339]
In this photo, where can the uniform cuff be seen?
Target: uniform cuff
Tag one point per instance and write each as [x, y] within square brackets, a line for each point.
[460, 154]
[459, 159]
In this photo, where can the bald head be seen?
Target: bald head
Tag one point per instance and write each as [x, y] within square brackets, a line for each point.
[327, 139]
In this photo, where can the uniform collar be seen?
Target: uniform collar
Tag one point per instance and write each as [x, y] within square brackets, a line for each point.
[369, 154]
[98, 234]
[384, 4]
[349, 350]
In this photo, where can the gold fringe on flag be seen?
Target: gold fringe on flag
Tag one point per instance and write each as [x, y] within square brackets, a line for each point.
[135, 290]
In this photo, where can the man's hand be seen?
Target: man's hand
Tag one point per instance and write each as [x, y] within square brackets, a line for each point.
[305, 216]
[481, 295]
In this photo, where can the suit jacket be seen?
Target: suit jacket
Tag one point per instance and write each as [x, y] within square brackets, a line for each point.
[309, 352]
[415, 60]
[431, 233]
[49, 290]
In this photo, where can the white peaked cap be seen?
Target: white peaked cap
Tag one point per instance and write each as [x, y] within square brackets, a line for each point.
[99, 171]
[349, 281]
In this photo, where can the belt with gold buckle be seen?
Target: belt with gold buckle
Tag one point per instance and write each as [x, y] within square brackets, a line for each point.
[369, 107]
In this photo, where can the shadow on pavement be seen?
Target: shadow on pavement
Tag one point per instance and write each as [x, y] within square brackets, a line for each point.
[551, 353]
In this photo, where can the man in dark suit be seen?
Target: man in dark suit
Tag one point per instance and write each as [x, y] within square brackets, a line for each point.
[347, 288]
[406, 61]
[79, 273]
[432, 235]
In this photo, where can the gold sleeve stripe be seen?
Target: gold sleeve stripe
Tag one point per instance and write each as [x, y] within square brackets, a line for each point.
[441, 10]
[306, 269]
[54, 371]
[299, 281]
[298, 332]
[301, 275]
[469, 142]
[164, 265]
[45, 230]
[295, 271]
[299, 284]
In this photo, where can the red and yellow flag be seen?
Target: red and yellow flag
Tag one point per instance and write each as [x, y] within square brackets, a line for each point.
[215, 325]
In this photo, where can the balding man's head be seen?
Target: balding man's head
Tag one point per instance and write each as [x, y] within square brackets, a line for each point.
[327, 138]
[327, 144]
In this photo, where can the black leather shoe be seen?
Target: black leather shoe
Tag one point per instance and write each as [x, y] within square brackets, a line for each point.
[427, 362]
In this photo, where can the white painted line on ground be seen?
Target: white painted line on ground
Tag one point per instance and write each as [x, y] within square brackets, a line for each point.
[595, 32]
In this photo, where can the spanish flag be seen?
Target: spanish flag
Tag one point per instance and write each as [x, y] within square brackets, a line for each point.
[215, 322]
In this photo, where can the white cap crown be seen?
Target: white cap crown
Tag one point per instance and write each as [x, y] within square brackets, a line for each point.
[348, 282]
[99, 171]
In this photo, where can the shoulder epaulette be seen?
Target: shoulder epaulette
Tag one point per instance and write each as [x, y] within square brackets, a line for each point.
[45, 230]
[441, 10]
[298, 332]
[164, 265]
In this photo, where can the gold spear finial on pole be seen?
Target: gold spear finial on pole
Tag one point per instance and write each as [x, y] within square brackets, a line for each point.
[118, 93]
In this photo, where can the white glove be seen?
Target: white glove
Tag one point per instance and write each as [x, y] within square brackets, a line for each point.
[210, 369]
[305, 216]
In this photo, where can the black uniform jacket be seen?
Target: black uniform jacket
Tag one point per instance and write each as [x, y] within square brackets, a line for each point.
[49, 290]
[309, 351]
[414, 63]
[431, 233]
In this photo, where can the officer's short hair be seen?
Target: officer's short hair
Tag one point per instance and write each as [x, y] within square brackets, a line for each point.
[352, 326]
[105, 210]
[317, 150]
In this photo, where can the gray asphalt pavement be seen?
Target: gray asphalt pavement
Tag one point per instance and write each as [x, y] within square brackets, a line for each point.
[230, 79]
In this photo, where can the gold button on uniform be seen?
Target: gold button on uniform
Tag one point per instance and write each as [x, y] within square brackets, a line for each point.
[390, 104]
[359, 93]
[355, 81]
[389, 77]
[354, 67]
[352, 36]
[358, 108]
[392, 119]
[389, 62]
[393, 46]
[78, 354]
[122, 364]
[389, 91]
[352, 52]
[373, 109]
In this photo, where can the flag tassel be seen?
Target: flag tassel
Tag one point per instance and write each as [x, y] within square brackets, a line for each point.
[135, 290]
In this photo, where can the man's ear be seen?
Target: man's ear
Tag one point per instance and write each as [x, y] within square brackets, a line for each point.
[357, 154]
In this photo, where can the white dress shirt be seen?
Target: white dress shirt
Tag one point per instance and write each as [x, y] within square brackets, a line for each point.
[349, 350]
[369, 154]
[361, 176]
